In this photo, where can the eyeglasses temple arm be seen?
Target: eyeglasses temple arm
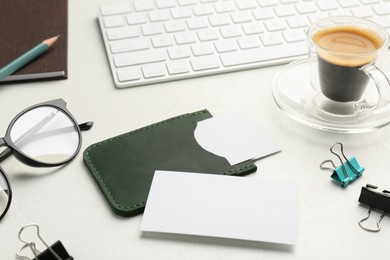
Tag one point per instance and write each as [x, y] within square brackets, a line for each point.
[7, 151]
[4, 154]
[86, 126]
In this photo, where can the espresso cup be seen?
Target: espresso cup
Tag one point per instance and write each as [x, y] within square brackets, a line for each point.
[343, 52]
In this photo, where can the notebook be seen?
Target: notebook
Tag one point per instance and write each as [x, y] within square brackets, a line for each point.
[26, 23]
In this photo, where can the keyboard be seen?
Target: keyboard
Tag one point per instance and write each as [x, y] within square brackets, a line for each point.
[150, 41]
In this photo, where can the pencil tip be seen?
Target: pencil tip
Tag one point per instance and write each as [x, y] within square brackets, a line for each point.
[51, 40]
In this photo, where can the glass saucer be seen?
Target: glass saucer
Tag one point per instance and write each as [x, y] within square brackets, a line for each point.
[294, 95]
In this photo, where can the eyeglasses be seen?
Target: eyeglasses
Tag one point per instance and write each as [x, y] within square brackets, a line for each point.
[43, 135]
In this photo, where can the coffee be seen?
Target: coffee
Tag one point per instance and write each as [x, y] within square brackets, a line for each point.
[342, 51]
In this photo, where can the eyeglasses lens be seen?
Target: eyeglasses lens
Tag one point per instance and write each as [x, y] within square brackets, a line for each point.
[4, 194]
[46, 134]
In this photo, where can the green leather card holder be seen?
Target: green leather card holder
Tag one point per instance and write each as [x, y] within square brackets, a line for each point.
[123, 166]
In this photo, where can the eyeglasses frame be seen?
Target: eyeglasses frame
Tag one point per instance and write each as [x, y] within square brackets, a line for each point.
[59, 104]
[9, 193]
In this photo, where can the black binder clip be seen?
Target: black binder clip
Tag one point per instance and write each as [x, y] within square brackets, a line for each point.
[347, 172]
[55, 252]
[380, 200]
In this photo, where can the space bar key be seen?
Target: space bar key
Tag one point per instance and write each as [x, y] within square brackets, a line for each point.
[265, 54]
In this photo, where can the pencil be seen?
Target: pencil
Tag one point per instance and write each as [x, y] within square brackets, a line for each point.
[27, 57]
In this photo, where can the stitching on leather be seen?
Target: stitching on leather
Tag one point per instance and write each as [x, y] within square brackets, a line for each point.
[110, 140]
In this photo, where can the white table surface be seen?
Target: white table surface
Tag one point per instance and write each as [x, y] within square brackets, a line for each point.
[68, 206]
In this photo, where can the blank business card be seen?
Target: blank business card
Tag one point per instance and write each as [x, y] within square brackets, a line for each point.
[222, 206]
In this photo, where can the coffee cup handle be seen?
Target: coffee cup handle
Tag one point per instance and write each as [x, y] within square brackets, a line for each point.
[382, 83]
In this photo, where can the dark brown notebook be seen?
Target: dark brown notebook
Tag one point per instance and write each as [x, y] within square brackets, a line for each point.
[26, 23]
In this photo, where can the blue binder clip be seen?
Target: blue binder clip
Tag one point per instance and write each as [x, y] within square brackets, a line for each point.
[347, 172]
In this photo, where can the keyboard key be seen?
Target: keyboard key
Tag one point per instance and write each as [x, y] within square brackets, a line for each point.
[129, 45]
[348, 3]
[263, 14]
[246, 4]
[283, 11]
[230, 31]
[164, 40]
[253, 28]
[306, 7]
[275, 25]
[197, 23]
[187, 2]
[185, 37]
[153, 70]
[174, 26]
[180, 13]
[152, 29]
[271, 39]
[205, 63]
[111, 9]
[122, 32]
[178, 52]
[113, 21]
[225, 45]
[141, 5]
[248, 42]
[201, 49]
[139, 57]
[327, 5]
[165, 3]
[297, 22]
[294, 35]
[241, 17]
[128, 74]
[136, 18]
[159, 16]
[369, 1]
[224, 7]
[218, 20]
[266, 3]
[340, 12]
[178, 67]
[288, 1]
[200, 10]
[208, 34]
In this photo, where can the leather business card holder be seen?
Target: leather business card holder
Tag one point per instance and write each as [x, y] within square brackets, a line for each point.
[123, 166]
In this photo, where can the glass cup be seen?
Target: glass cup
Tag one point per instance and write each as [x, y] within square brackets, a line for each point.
[343, 52]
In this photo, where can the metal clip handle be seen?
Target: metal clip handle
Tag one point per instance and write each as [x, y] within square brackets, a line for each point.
[32, 245]
[378, 226]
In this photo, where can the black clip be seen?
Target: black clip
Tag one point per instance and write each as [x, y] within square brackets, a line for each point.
[370, 196]
[55, 252]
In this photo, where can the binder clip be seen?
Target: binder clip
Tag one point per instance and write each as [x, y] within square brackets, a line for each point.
[380, 200]
[55, 252]
[347, 172]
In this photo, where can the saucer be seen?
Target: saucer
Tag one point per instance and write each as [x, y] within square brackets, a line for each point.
[294, 95]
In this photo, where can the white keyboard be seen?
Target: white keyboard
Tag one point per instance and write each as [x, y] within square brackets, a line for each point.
[162, 40]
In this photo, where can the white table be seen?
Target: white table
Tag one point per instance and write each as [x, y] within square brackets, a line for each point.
[68, 206]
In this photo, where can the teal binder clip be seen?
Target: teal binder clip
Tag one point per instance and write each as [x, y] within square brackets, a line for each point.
[347, 172]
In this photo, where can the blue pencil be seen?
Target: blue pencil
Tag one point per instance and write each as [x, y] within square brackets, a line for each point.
[27, 57]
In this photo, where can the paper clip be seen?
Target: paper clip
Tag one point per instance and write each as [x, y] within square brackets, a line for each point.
[55, 252]
[370, 196]
[347, 172]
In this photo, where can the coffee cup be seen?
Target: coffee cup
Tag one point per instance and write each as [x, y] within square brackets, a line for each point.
[343, 53]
